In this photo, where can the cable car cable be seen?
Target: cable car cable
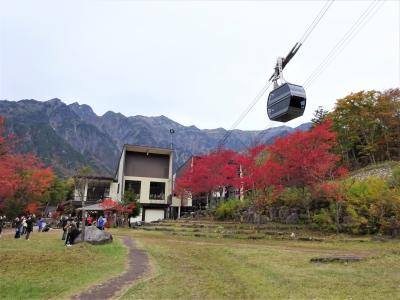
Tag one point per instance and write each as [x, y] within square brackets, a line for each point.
[244, 114]
[317, 19]
[336, 48]
[364, 18]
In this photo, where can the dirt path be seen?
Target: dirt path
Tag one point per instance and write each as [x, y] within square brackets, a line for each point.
[138, 266]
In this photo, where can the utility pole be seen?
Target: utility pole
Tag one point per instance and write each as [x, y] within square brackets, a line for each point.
[83, 207]
[172, 131]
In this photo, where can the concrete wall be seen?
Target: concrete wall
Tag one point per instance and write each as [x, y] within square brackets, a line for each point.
[146, 165]
[154, 215]
[187, 201]
[113, 190]
[120, 175]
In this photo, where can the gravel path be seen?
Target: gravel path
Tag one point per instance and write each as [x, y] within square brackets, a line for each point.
[138, 266]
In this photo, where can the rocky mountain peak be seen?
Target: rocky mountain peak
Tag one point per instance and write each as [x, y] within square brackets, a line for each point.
[69, 136]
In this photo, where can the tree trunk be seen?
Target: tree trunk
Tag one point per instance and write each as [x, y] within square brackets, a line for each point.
[337, 215]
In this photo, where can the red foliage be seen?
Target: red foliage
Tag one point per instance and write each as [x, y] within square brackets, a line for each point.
[32, 208]
[131, 206]
[331, 190]
[110, 204]
[261, 173]
[306, 157]
[210, 173]
[55, 215]
[22, 177]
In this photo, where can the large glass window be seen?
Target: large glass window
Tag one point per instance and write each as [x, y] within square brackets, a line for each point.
[157, 191]
[133, 186]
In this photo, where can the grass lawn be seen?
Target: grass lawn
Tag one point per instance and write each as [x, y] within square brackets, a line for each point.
[214, 268]
[44, 268]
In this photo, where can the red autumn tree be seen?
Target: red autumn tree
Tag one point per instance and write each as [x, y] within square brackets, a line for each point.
[31, 208]
[307, 157]
[261, 176]
[110, 204]
[22, 177]
[210, 173]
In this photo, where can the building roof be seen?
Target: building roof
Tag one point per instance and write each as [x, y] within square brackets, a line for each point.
[148, 149]
[95, 177]
[96, 206]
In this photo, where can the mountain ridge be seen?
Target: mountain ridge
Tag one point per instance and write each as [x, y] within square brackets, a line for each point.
[69, 136]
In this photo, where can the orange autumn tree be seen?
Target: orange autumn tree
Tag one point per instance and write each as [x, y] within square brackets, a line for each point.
[23, 179]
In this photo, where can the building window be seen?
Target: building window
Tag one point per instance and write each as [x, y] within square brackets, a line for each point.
[133, 186]
[157, 191]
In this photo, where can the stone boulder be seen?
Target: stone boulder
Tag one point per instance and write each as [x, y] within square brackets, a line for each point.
[95, 236]
[293, 218]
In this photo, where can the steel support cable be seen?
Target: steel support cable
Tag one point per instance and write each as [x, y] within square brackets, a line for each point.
[344, 41]
[304, 37]
[317, 19]
[244, 114]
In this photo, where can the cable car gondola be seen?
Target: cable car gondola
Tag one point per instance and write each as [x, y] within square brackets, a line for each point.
[286, 102]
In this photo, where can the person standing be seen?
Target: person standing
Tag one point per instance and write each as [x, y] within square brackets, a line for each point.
[64, 223]
[23, 225]
[2, 221]
[89, 220]
[29, 226]
[17, 223]
[69, 229]
[100, 223]
[73, 232]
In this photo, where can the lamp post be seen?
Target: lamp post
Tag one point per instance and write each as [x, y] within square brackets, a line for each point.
[171, 132]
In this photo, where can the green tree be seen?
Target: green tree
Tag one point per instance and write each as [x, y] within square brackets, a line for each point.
[320, 116]
[368, 126]
[131, 202]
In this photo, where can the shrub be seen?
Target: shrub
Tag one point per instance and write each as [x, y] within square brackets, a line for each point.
[291, 197]
[386, 213]
[395, 178]
[355, 223]
[324, 220]
[363, 193]
[227, 209]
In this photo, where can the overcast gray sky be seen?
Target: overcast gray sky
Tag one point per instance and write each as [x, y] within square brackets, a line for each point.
[199, 63]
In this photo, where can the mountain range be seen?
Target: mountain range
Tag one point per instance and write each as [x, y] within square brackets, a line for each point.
[69, 137]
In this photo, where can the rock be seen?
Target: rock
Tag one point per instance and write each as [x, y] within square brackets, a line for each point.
[283, 213]
[293, 218]
[95, 236]
[340, 258]
[310, 239]
[273, 213]
[264, 219]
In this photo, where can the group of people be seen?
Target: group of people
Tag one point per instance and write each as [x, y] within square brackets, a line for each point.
[70, 226]
[24, 226]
